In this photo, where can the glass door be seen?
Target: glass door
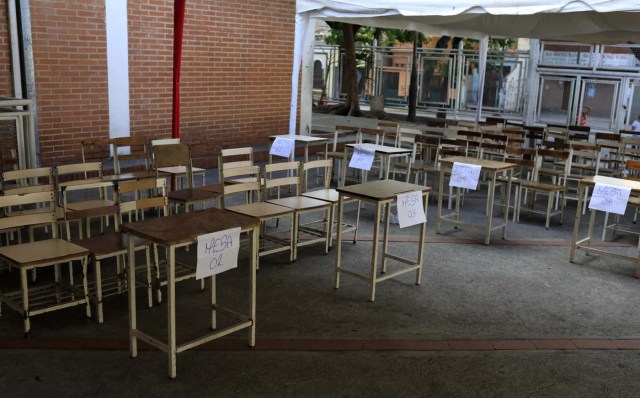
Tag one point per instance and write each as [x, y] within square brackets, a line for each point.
[556, 99]
[597, 99]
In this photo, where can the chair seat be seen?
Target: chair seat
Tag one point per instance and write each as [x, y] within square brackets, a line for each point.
[299, 202]
[190, 195]
[261, 210]
[109, 244]
[544, 186]
[59, 212]
[90, 204]
[44, 252]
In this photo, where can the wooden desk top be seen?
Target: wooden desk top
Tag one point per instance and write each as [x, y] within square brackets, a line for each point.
[301, 138]
[186, 227]
[329, 195]
[134, 175]
[492, 165]
[621, 182]
[299, 202]
[381, 190]
[193, 195]
[215, 188]
[384, 149]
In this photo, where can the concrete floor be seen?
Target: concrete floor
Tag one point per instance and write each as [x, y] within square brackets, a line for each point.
[513, 319]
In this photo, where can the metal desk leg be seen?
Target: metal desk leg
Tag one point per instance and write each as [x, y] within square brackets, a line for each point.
[374, 255]
[336, 270]
[212, 302]
[423, 233]
[343, 169]
[171, 310]
[576, 225]
[385, 237]
[255, 236]
[131, 280]
[440, 189]
[507, 200]
[492, 187]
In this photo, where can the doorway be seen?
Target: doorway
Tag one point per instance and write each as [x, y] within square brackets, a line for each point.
[562, 99]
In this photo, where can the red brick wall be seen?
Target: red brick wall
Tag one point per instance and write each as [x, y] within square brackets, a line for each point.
[7, 128]
[6, 85]
[235, 81]
[236, 69]
[70, 61]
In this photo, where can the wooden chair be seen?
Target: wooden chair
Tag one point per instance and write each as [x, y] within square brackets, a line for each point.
[178, 172]
[269, 242]
[534, 135]
[234, 157]
[39, 254]
[178, 156]
[407, 140]
[131, 154]
[24, 181]
[325, 193]
[531, 189]
[79, 174]
[287, 175]
[98, 150]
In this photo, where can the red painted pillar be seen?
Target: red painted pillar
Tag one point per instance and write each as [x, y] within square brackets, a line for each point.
[178, 28]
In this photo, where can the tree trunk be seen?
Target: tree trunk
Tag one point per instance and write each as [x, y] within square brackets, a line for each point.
[413, 81]
[352, 106]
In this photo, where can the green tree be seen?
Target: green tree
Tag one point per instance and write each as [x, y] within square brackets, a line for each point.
[346, 36]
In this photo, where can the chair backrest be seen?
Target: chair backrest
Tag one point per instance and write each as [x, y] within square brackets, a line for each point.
[77, 173]
[559, 159]
[427, 146]
[27, 181]
[523, 158]
[249, 185]
[391, 132]
[141, 195]
[8, 159]
[408, 134]
[131, 150]
[372, 136]
[497, 121]
[322, 167]
[165, 141]
[171, 155]
[44, 201]
[534, 135]
[237, 157]
[341, 132]
[96, 150]
[278, 175]
[633, 169]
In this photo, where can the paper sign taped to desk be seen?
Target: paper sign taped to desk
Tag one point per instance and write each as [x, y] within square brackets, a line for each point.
[610, 198]
[410, 209]
[362, 158]
[217, 252]
[282, 147]
[465, 175]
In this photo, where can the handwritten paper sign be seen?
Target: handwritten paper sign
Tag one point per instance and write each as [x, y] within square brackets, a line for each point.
[362, 158]
[465, 175]
[611, 198]
[410, 209]
[217, 252]
[282, 147]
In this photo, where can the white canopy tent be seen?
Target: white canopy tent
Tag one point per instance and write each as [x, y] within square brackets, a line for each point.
[586, 21]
